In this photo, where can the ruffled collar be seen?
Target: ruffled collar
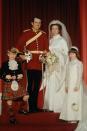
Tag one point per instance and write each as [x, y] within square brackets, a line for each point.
[13, 65]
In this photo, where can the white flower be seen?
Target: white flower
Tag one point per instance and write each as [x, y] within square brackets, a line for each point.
[75, 106]
[51, 58]
[28, 56]
[13, 65]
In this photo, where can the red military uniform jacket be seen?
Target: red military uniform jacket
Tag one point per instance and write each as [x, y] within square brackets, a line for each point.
[41, 44]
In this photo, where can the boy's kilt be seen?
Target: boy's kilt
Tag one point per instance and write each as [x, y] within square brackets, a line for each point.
[8, 93]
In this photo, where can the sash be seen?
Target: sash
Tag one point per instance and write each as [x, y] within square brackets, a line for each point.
[33, 38]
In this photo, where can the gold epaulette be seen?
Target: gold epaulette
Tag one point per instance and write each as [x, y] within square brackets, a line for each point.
[26, 30]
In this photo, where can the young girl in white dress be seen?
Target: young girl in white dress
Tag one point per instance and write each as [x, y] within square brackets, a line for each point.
[55, 72]
[72, 107]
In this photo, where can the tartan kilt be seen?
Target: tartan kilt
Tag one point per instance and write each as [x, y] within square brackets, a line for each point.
[9, 94]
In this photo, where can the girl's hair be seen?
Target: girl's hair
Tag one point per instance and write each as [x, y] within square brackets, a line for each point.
[74, 50]
[59, 27]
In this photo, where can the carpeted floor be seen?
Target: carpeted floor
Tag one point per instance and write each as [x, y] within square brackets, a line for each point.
[42, 121]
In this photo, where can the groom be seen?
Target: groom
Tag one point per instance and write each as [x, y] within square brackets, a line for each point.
[35, 40]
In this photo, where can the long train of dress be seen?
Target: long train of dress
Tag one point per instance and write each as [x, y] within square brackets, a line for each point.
[82, 125]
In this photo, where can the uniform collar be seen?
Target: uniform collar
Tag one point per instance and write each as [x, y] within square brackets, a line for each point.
[36, 32]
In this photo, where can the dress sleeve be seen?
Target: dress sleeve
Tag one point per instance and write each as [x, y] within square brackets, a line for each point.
[66, 76]
[64, 51]
[79, 74]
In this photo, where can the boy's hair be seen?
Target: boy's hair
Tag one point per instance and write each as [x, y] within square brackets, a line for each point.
[14, 50]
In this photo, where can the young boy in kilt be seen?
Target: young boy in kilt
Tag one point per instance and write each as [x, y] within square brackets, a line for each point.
[13, 87]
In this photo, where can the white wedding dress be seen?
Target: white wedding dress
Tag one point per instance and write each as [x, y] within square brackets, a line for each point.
[55, 76]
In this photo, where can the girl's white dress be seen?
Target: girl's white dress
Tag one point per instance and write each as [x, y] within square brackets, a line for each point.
[55, 75]
[72, 106]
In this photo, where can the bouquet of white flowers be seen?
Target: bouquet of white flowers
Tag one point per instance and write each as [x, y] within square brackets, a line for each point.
[51, 58]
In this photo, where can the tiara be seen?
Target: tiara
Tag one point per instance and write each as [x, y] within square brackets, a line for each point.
[74, 47]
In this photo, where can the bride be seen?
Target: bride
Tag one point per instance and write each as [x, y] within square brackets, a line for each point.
[59, 42]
